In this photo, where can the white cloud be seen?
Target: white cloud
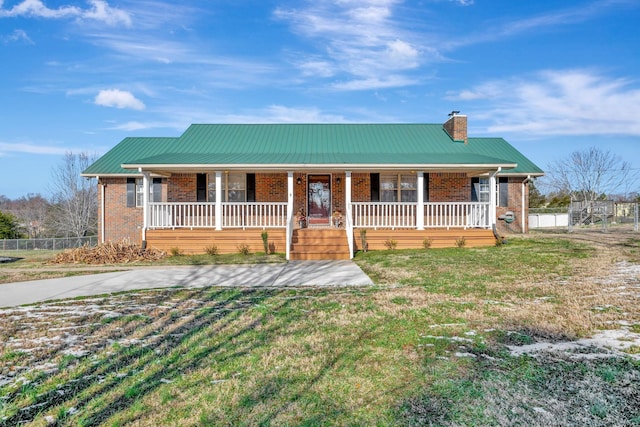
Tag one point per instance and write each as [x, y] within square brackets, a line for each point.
[16, 36]
[119, 99]
[560, 102]
[358, 40]
[6, 147]
[99, 10]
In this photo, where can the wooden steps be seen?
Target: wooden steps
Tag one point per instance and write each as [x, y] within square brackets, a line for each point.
[319, 244]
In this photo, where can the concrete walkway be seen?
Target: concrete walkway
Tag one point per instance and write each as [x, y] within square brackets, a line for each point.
[295, 273]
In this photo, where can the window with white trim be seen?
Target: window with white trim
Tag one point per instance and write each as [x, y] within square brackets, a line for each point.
[135, 191]
[480, 190]
[236, 187]
[398, 188]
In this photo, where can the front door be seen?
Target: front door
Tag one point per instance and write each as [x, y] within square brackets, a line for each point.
[319, 199]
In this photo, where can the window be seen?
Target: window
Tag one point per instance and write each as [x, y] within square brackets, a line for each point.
[135, 191]
[395, 187]
[480, 190]
[503, 192]
[236, 187]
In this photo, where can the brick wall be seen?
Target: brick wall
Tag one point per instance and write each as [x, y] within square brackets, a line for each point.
[271, 187]
[121, 222]
[181, 187]
[449, 187]
[515, 202]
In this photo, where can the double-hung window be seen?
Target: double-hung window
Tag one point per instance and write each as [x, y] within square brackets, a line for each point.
[235, 186]
[135, 191]
[396, 187]
[480, 190]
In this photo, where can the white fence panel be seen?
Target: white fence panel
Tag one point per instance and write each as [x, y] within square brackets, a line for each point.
[548, 220]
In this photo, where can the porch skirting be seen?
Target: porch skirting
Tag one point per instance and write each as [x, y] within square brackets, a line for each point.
[227, 241]
[414, 239]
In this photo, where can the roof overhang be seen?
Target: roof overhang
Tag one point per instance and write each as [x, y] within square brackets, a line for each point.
[163, 169]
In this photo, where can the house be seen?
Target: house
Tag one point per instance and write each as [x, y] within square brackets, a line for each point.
[319, 190]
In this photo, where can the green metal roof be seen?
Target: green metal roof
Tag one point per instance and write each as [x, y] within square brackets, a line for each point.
[110, 163]
[211, 145]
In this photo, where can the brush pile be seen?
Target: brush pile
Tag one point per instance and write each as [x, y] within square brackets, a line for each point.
[121, 252]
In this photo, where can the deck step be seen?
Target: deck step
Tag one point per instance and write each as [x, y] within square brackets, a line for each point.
[319, 244]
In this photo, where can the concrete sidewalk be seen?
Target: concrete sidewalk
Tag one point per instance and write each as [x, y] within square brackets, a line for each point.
[295, 273]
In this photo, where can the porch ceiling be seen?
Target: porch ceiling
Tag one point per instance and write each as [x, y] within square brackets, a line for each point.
[191, 162]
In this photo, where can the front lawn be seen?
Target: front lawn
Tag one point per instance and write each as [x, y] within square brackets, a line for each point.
[428, 345]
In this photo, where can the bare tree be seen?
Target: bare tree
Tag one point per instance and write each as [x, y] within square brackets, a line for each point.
[31, 211]
[590, 174]
[74, 207]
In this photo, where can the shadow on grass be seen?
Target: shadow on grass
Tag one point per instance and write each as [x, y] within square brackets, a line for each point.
[222, 324]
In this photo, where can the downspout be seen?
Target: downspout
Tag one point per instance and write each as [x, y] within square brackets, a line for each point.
[522, 221]
[103, 210]
[145, 205]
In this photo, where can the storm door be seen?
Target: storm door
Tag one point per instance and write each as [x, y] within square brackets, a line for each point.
[319, 199]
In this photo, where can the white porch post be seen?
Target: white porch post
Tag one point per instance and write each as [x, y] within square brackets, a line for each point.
[145, 203]
[218, 208]
[289, 231]
[348, 215]
[493, 197]
[420, 207]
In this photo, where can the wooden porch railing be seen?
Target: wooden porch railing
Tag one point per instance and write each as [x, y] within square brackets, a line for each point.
[436, 215]
[456, 215]
[254, 215]
[362, 215]
[202, 215]
[384, 215]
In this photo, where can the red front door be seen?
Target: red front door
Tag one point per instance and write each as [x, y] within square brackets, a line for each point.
[319, 199]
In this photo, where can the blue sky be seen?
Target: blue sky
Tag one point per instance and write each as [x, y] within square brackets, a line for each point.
[551, 77]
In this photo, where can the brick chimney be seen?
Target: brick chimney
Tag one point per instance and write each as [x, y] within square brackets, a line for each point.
[456, 127]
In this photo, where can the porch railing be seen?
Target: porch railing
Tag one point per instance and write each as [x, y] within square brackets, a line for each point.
[362, 215]
[202, 215]
[456, 215]
[384, 215]
[254, 215]
[436, 215]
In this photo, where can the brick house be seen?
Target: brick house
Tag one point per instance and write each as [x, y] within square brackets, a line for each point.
[313, 187]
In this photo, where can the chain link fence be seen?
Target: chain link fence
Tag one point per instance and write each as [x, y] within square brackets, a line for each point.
[52, 244]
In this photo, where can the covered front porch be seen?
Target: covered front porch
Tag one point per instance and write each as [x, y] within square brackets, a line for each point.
[407, 223]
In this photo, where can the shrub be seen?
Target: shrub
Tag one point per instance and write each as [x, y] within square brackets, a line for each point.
[390, 244]
[461, 242]
[363, 239]
[265, 241]
[244, 249]
[176, 251]
[9, 228]
[426, 243]
[212, 249]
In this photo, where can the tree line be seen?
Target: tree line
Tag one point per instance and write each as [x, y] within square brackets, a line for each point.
[71, 211]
